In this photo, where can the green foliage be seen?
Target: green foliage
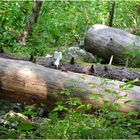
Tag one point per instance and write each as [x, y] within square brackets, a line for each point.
[59, 22]
[82, 126]
[104, 123]
[13, 16]
[71, 119]
[133, 56]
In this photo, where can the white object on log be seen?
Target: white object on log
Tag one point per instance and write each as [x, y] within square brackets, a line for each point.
[111, 59]
[57, 57]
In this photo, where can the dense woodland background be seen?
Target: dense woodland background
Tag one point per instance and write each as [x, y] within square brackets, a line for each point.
[60, 21]
[58, 25]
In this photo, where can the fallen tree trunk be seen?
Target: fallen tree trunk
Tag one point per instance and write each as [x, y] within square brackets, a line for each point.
[117, 73]
[23, 81]
[105, 71]
[105, 41]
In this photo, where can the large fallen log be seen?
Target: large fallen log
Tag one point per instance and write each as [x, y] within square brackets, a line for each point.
[105, 41]
[106, 71]
[23, 81]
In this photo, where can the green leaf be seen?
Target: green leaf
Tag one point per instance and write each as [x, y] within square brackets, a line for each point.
[128, 102]
[82, 77]
[12, 134]
[111, 91]
[126, 86]
[60, 108]
[93, 86]
[95, 96]
[31, 113]
[25, 127]
[15, 119]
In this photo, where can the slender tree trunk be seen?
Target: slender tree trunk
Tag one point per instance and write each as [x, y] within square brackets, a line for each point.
[31, 20]
[86, 16]
[111, 14]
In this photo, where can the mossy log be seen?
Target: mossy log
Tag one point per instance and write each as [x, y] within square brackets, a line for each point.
[105, 41]
[25, 82]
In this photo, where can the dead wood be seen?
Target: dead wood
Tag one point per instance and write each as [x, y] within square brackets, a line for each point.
[27, 82]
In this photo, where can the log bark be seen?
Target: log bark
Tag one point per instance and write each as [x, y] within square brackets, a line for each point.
[24, 81]
[105, 41]
[106, 71]
[117, 73]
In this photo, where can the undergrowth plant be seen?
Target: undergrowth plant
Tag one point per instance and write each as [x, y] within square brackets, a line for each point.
[98, 123]
[72, 119]
[133, 56]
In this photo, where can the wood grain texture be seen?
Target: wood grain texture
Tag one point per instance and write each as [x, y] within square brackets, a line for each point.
[105, 41]
[24, 81]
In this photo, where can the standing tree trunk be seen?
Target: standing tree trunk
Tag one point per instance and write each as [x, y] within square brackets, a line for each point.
[86, 16]
[111, 14]
[31, 20]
